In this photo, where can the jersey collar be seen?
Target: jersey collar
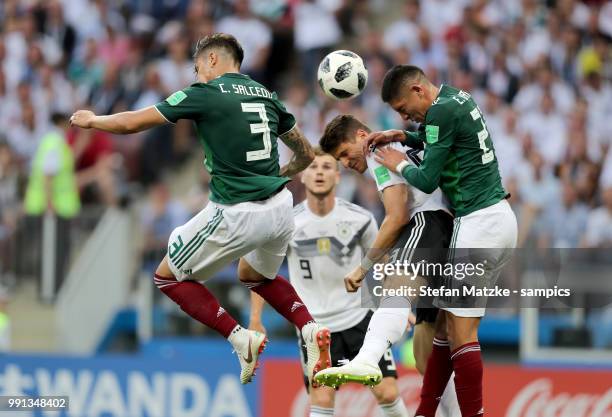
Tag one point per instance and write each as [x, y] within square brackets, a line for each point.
[433, 103]
[234, 75]
[439, 92]
[313, 214]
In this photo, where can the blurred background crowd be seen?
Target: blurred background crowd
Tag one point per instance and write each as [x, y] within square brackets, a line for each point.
[539, 69]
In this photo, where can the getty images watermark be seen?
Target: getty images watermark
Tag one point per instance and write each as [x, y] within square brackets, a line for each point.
[495, 278]
[458, 271]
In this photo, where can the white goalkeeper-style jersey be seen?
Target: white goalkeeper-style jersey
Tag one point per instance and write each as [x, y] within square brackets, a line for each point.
[322, 251]
[384, 178]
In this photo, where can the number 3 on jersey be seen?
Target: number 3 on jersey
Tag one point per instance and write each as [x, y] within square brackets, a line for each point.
[257, 128]
[487, 155]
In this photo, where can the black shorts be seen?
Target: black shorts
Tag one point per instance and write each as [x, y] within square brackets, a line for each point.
[426, 314]
[345, 346]
[425, 238]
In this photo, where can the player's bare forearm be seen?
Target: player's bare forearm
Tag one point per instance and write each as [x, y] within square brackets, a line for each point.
[303, 154]
[397, 215]
[387, 235]
[119, 123]
[115, 123]
[291, 168]
[390, 230]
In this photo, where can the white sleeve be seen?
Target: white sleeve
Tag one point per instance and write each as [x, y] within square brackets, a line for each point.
[384, 177]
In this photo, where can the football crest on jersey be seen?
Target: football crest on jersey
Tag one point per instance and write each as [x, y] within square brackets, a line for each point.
[323, 246]
[344, 229]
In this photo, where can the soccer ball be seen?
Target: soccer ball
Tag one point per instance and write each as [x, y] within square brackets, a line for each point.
[342, 75]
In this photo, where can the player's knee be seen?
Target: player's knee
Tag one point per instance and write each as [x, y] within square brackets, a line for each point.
[461, 338]
[163, 269]
[161, 281]
[163, 277]
[246, 273]
[387, 391]
[461, 330]
[441, 334]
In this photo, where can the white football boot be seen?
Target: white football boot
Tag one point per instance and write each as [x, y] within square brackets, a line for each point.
[317, 339]
[248, 345]
[360, 372]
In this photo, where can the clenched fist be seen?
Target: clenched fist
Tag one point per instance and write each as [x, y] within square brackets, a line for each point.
[82, 118]
[352, 281]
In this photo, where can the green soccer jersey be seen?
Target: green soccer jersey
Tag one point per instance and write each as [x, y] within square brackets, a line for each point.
[459, 155]
[238, 123]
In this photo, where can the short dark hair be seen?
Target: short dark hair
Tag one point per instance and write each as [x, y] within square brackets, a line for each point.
[320, 152]
[340, 130]
[396, 77]
[222, 41]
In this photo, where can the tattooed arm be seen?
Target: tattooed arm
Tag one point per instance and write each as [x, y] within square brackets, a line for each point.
[303, 153]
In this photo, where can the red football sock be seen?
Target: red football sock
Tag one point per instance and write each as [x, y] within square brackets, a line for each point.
[281, 295]
[467, 363]
[438, 371]
[195, 300]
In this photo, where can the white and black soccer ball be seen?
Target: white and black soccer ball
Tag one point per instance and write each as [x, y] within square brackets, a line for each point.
[342, 75]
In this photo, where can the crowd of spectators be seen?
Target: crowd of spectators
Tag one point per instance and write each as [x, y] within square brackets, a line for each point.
[540, 70]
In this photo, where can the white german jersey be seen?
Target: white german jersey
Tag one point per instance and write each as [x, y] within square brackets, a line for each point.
[385, 178]
[323, 250]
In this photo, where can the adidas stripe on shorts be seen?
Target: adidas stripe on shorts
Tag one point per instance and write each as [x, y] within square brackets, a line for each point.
[259, 231]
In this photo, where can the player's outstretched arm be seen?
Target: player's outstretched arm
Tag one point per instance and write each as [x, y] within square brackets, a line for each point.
[397, 215]
[303, 154]
[120, 123]
[395, 199]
